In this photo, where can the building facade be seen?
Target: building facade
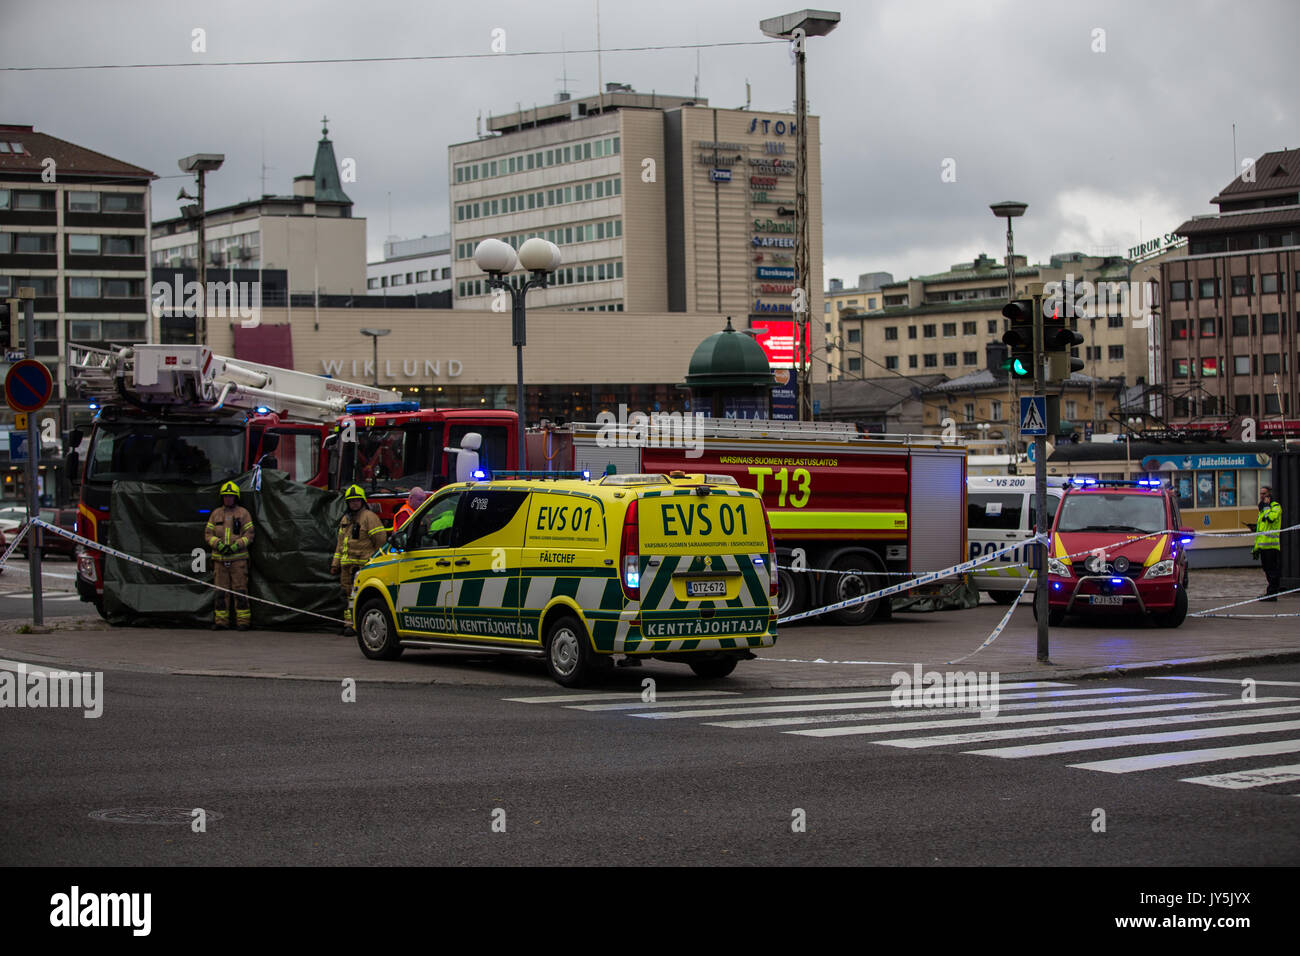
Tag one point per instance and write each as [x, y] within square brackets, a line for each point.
[311, 235]
[74, 226]
[1230, 305]
[865, 297]
[412, 267]
[658, 204]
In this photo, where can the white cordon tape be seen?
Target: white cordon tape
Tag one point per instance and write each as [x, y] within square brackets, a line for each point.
[1263, 597]
[176, 574]
[22, 532]
[1001, 624]
[914, 582]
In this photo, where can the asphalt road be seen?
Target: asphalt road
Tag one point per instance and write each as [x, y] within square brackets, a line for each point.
[289, 773]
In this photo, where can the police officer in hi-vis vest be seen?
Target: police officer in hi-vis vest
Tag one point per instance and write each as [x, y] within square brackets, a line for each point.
[361, 534]
[1267, 546]
[229, 533]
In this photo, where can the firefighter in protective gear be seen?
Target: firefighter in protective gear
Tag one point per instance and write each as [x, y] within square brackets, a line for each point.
[229, 534]
[1268, 549]
[361, 534]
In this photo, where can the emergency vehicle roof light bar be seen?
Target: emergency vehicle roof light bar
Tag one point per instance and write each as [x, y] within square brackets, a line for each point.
[552, 475]
[382, 408]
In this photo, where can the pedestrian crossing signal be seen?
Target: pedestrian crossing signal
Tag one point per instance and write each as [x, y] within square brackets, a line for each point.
[1019, 338]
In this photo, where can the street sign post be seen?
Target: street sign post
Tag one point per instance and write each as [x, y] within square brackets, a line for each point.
[28, 386]
[1033, 415]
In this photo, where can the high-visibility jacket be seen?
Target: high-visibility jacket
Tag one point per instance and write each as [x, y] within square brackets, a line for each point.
[403, 515]
[361, 534]
[1270, 521]
[227, 527]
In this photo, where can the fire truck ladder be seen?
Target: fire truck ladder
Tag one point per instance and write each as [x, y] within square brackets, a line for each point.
[192, 376]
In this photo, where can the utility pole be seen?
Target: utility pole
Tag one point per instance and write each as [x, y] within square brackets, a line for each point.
[1040, 479]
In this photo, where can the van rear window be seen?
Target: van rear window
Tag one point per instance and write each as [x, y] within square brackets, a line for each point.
[996, 512]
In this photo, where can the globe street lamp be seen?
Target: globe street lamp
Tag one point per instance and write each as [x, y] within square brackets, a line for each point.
[498, 260]
[374, 337]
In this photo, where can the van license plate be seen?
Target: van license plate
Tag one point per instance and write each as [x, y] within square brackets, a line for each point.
[705, 588]
[1106, 599]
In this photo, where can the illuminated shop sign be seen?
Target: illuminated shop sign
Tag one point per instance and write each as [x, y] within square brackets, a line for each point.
[771, 225]
[779, 242]
[772, 272]
[720, 175]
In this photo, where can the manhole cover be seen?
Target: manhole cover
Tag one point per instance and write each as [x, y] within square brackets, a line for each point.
[160, 815]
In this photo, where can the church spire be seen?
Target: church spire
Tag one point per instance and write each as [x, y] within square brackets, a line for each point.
[326, 172]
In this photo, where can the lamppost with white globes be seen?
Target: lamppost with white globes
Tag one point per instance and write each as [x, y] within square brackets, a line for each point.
[498, 259]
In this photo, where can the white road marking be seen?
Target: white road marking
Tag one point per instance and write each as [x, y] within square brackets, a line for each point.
[857, 695]
[566, 698]
[1049, 730]
[1133, 740]
[1155, 761]
[1234, 680]
[751, 709]
[1243, 779]
[1047, 714]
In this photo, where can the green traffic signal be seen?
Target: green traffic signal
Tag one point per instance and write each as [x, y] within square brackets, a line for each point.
[1018, 368]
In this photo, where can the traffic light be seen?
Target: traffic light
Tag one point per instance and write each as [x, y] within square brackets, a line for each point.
[1058, 341]
[1019, 338]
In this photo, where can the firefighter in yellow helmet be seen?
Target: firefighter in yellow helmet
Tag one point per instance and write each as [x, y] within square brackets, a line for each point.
[229, 533]
[361, 534]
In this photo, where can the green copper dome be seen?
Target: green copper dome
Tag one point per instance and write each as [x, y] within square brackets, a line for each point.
[729, 358]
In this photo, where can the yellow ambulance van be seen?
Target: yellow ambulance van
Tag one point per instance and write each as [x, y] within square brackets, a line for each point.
[582, 573]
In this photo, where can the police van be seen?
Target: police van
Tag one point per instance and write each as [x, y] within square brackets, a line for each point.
[579, 572]
[1001, 513]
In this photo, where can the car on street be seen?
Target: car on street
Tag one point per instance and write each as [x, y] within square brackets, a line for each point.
[1118, 546]
[52, 543]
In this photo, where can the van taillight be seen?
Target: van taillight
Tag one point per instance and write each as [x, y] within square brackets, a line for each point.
[771, 557]
[630, 556]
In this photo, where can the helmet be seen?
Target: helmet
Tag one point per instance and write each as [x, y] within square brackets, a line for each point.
[355, 493]
[230, 488]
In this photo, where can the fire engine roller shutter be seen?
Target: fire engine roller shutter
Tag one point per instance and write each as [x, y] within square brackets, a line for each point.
[593, 458]
[937, 511]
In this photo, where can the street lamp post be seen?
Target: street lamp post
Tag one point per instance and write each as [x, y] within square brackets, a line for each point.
[374, 338]
[797, 27]
[498, 259]
[199, 164]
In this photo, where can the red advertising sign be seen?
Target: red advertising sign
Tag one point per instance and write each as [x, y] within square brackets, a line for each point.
[776, 336]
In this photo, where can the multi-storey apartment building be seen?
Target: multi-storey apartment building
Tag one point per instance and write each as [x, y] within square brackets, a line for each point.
[1230, 305]
[74, 227]
[412, 267]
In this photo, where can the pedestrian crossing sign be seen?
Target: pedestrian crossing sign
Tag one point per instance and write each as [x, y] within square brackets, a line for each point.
[1033, 415]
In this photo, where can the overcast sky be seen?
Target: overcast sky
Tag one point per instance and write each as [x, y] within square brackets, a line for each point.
[1108, 148]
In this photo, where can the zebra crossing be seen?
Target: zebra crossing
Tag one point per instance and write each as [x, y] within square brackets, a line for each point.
[1191, 722]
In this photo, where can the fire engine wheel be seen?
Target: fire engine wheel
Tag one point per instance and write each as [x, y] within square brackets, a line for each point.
[792, 592]
[714, 667]
[856, 579]
[569, 657]
[376, 633]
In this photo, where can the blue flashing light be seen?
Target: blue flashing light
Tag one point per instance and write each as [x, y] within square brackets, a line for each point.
[1184, 540]
[586, 474]
[382, 408]
[479, 474]
[205, 511]
[1056, 585]
[263, 410]
[1116, 580]
[94, 406]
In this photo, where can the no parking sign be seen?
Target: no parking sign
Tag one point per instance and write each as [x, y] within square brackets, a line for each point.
[28, 386]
